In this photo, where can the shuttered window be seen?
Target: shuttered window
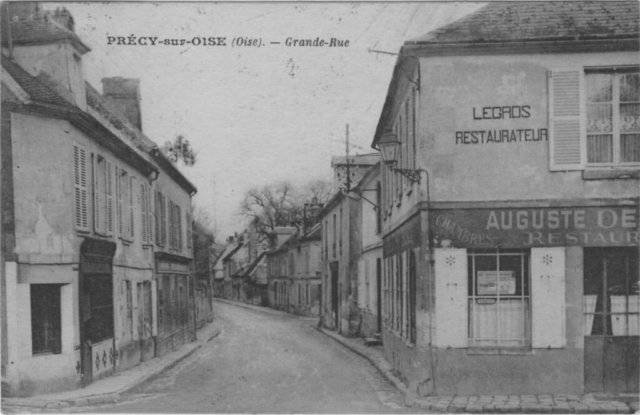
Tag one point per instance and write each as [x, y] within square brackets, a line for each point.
[548, 295]
[132, 186]
[566, 120]
[81, 192]
[144, 212]
[451, 297]
[110, 193]
[189, 230]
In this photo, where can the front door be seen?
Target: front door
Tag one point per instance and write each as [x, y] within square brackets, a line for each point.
[334, 295]
[611, 320]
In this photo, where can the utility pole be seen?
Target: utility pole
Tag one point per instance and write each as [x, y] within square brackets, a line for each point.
[348, 163]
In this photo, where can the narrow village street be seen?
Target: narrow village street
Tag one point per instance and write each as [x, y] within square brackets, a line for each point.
[263, 363]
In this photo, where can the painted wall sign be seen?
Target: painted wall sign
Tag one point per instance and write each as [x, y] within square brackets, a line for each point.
[513, 135]
[537, 227]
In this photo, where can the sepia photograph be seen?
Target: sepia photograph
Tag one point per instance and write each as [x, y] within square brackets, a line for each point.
[320, 207]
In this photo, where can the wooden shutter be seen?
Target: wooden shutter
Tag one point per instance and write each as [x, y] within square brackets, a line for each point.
[179, 231]
[567, 149]
[163, 206]
[131, 207]
[451, 297]
[144, 234]
[189, 230]
[109, 192]
[80, 187]
[149, 215]
[170, 222]
[97, 219]
[119, 201]
[547, 298]
[157, 209]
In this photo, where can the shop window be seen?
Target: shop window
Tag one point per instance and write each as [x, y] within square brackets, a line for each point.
[611, 292]
[499, 300]
[45, 318]
[100, 313]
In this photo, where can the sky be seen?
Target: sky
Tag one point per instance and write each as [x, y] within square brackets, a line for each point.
[255, 115]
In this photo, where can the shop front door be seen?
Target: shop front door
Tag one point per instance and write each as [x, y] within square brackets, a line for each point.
[611, 320]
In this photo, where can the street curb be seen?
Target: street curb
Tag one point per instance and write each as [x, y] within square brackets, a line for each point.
[424, 404]
[385, 371]
[111, 396]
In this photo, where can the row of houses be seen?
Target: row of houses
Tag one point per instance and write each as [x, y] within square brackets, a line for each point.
[97, 252]
[494, 247]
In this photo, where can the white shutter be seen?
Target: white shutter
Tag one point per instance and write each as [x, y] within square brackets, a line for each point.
[143, 213]
[80, 187]
[567, 150]
[97, 225]
[131, 207]
[150, 220]
[119, 193]
[547, 298]
[451, 297]
[109, 183]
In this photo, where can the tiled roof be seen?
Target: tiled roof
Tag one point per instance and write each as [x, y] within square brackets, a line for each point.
[36, 90]
[42, 28]
[524, 20]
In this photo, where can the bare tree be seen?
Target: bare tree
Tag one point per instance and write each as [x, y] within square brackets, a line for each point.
[271, 206]
[319, 190]
[180, 149]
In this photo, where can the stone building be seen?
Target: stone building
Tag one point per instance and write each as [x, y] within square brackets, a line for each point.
[511, 266]
[96, 254]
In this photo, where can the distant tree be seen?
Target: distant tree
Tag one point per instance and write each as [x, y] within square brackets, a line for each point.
[204, 237]
[180, 149]
[319, 190]
[270, 206]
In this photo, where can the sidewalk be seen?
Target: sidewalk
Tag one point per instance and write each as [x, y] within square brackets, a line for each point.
[111, 388]
[508, 404]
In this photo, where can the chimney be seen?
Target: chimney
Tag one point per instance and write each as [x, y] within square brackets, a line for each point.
[124, 94]
[64, 18]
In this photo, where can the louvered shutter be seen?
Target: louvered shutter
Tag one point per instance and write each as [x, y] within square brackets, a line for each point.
[189, 230]
[109, 192]
[97, 226]
[119, 194]
[179, 230]
[143, 214]
[163, 206]
[567, 149]
[80, 187]
[131, 207]
[451, 297]
[149, 215]
[547, 298]
[170, 222]
[157, 210]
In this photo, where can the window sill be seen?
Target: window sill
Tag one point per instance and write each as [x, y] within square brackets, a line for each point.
[610, 173]
[505, 351]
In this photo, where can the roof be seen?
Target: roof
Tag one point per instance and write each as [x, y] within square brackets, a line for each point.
[36, 90]
[44, 100]
[254, 264]
[40, 28]
[232, 251]
[550, 20]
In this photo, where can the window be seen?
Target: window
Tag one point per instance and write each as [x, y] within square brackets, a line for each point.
[145, 214]
[613, 118]
[99, 288]
[607, 132]
[124, 191]
[102, 196]
[45, 318]
[80, 187]
[499, 300]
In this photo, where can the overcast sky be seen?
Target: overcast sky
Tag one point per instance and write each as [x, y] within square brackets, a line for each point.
[256, 115]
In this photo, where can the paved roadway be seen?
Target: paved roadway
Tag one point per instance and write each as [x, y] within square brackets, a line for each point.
[263, 363]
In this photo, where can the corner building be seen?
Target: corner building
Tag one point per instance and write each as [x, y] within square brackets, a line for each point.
[512, 267]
